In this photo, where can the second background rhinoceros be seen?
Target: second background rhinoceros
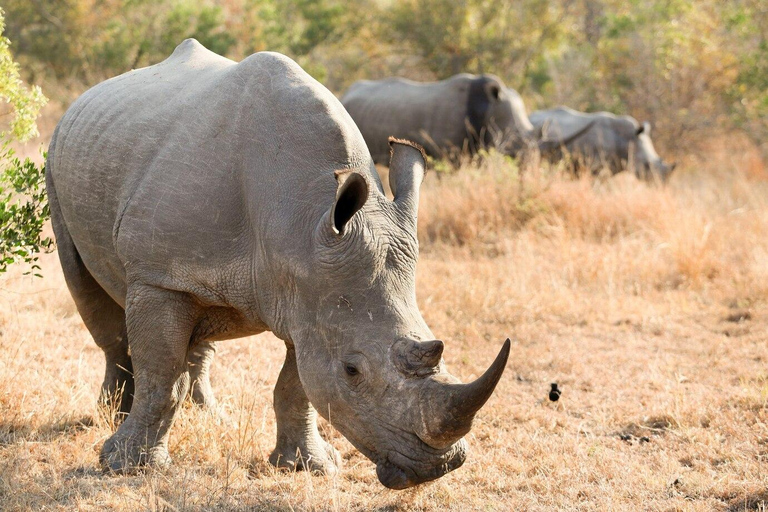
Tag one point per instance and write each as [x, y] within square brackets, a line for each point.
[614, 142]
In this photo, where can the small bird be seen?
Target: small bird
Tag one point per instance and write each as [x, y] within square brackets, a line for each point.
[554, 393]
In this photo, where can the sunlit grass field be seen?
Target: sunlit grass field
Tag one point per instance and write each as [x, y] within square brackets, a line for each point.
[648, 306]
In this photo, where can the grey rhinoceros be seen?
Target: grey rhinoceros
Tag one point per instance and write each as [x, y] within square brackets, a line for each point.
[463, 113]
[201, 199]
[613, 142]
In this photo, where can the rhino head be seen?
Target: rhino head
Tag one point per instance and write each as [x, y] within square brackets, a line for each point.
[648, 164]
[366, 358]
[507, 118]
[512, 128]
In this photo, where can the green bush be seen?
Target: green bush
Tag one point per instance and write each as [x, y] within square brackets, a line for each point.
[23, 212]
[23, 203]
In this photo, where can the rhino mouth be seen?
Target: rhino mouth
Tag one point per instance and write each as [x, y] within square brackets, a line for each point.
[398, 471]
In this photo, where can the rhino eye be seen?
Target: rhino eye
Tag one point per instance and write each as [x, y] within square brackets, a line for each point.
[351, 369]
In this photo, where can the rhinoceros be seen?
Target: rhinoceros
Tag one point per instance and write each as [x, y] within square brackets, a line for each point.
[613, 142]
[199, 200]
[462, 113]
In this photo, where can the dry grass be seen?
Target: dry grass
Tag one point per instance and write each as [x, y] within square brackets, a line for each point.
[649, 306]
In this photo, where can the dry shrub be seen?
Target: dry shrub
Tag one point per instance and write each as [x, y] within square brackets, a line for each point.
[603, 211]
[706, 224]
[473, 203]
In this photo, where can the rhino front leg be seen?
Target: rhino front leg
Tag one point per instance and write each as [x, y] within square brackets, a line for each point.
[299, 445]
[160, 323]
[200, 359]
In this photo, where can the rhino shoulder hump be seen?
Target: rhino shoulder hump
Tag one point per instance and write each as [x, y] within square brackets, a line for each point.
[288, 89]
[466, 77]
[277, 75]
[272, 70]
[269, 60]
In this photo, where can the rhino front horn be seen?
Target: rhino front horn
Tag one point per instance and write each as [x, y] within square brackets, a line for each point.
[454, 405]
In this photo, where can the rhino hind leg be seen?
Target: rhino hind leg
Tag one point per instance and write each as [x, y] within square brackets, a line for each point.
[299, 445]
[160, 325]
[116, 396]
[104, 318]
[199, 360]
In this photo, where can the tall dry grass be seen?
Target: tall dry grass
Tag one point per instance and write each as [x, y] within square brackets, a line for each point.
[648, 306]
[706, 228]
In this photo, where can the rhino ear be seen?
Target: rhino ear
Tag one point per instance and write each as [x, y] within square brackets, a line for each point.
[493, 90]
[351, 195]
[407, 164]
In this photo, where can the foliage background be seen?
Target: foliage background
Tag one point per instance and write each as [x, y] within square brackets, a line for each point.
[23, 202]
[694, 69]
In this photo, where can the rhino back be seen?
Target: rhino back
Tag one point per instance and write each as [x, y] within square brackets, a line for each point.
[431, 114]
[189, 166]
[601, 144]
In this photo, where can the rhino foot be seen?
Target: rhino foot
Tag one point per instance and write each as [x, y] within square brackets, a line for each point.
[319, 458]
[124, 455]
[201, 394]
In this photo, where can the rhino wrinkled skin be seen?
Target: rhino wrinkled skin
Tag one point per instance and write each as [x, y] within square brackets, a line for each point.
[463, 113]
[614, 142]
[199, 200]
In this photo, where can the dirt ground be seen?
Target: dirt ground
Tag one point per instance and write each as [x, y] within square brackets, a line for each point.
[647, 305]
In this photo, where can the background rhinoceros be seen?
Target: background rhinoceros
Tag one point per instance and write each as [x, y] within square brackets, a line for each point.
[199, 200]
[613, 142]
[462, 113]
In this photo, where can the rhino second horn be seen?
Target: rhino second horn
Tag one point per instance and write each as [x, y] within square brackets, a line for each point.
[429, 353]
[418, 358]
[455, 405]
[407, 165]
